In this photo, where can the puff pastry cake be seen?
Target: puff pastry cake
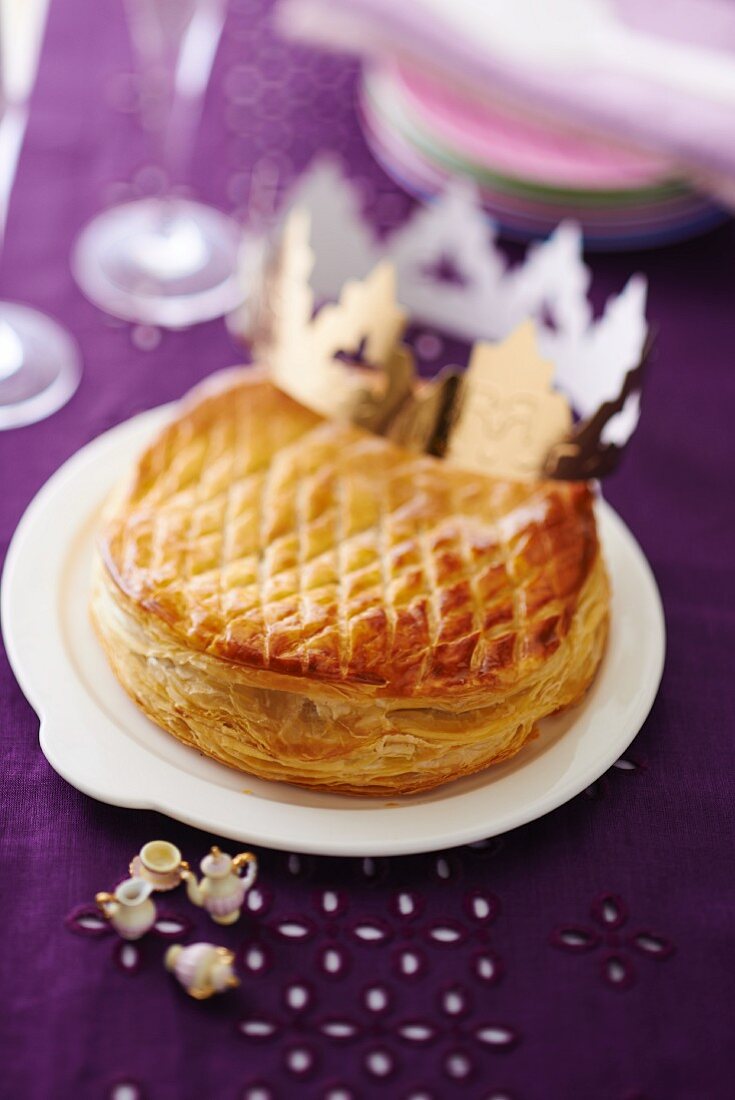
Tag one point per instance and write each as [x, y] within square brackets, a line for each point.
[308, 602]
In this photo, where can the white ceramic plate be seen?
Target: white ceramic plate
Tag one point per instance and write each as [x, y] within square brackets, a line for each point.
[98, 740]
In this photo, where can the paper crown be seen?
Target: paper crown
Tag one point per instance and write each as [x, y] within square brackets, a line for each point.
[540, 353]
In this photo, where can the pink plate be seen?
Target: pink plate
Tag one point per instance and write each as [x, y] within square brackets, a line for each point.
[518, 145]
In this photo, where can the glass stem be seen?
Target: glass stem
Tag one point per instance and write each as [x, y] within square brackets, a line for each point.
[13, 121]
[193, 70]
[11, 351]
[176, 42]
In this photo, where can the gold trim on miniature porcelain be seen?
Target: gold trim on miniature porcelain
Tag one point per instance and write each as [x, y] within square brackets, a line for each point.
[242, 859]
[221, 890]
[160, 863]
[202, 969]
[130, 910]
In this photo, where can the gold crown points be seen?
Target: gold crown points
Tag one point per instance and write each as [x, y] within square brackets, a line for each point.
[501, 416]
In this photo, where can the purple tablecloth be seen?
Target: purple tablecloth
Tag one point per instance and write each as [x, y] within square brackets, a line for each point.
[589, 954]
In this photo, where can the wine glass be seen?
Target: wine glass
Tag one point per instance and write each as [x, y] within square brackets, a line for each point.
[40, 365]
[166, 260]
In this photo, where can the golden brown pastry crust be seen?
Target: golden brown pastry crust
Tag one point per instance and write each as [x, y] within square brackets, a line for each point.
[308, 602]
[314, 737]
[266, 536]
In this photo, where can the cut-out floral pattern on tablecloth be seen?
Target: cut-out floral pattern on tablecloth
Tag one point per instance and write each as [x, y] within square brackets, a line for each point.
[129, 956]
[629, 765]
[126, 1089]
[610, 914]
[338, 933]
[456, 1044]
[457, 1029]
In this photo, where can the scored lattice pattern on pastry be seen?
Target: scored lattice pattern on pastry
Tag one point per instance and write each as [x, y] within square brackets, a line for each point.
[267, 536]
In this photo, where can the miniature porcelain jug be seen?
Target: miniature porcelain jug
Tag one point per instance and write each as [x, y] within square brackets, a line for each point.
[129, 910]
[222, 891]
[159, 862]
[202, 968]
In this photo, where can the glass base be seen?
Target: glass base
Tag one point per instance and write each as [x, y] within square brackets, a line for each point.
[40, 366]
[168, 262]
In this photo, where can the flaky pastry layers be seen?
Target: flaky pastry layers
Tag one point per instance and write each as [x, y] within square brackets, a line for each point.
[307, 602]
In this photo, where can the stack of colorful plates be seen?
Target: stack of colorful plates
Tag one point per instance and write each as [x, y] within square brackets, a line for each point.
[530, 175]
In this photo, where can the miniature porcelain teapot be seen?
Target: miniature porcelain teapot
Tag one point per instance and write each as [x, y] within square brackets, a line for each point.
[222, 891]
[159, 862]
[129, 910]
[202, 968]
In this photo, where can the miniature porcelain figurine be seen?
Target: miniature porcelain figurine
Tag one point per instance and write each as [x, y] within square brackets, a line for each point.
[202, 968]
[221, 892]
[159, 862]
[129, 910]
